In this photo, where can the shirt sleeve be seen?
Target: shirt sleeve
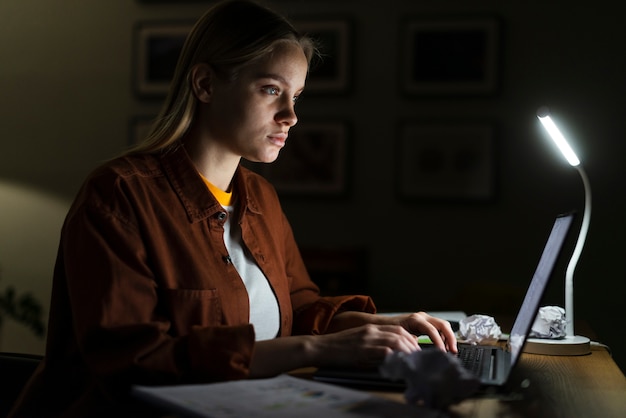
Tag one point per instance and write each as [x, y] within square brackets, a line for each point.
[315, 318]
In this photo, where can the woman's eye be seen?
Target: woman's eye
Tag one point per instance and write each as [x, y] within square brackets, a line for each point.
[273, 91]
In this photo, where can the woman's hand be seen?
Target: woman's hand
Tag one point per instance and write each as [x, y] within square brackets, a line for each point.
[361, 346]
[438, 330]
[353, 339]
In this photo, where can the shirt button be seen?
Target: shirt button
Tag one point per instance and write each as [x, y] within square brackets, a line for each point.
[221, 216]
[227, 259]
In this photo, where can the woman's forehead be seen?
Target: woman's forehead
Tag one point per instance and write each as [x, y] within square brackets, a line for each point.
[287, 62]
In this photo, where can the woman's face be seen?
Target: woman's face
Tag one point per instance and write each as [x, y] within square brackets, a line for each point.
[251, 116]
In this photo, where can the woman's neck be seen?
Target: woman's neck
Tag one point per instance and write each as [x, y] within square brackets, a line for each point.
[216, 165]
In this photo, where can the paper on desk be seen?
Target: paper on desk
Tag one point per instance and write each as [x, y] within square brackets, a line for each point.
[283, 396]
[550, 322]
[433, 378]
[479, 329]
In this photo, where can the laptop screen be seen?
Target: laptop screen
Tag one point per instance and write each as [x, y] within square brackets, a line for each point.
[530, 306]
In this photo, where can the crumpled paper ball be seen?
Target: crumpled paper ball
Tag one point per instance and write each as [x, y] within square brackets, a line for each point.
[479, 329]
[434, 379]
[549, 323]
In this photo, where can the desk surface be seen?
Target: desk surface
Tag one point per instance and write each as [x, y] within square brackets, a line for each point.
[560, 386]
[541, 386]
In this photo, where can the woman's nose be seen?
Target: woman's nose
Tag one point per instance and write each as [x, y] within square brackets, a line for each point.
[287, 114]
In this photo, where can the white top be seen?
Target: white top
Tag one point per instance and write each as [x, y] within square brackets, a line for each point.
[264, 312]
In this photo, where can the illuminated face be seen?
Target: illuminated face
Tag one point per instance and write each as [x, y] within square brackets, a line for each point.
[251, 116]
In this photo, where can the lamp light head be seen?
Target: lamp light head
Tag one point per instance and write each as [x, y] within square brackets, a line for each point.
[544, 117]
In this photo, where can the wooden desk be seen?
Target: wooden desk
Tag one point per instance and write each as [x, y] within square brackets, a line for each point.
[590, 386]
[578, 386]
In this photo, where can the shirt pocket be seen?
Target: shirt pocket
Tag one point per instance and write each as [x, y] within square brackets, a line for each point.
[190, 307]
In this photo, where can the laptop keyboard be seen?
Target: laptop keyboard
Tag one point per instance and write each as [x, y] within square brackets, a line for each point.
[471, 359]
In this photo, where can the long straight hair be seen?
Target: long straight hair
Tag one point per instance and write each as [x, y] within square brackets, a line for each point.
[229, 36]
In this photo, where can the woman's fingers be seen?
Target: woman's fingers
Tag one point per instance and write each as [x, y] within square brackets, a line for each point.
[395, 337]
[367, 345]
[439, 330]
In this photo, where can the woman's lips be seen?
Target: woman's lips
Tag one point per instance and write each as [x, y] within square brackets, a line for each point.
[278, 139]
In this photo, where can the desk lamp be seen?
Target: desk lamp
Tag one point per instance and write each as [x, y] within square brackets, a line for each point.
[571, 344]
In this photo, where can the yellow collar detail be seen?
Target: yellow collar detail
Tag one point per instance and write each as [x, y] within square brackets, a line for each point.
[224, 198]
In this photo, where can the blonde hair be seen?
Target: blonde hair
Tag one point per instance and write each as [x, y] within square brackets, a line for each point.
[228, 37]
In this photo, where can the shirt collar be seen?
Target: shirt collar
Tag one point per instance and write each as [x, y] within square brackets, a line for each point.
[187, 183]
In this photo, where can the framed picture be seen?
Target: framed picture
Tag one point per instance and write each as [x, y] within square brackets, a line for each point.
[331, 74]
[312, 163]
[157, 47]
[446, 162]
[450, 57]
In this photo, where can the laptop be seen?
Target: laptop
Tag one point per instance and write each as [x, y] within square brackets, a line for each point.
[492, 365]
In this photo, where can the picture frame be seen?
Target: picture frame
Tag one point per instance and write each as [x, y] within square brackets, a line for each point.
[446, 162]
[312, 163]
[467, 66]
[331, 74]
[157, 48]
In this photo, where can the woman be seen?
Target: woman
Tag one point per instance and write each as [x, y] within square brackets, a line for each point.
[177, 265]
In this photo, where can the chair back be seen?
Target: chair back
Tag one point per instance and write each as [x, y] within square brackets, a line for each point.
[15, 370]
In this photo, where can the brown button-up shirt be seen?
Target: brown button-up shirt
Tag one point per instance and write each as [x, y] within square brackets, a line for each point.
[144, 292]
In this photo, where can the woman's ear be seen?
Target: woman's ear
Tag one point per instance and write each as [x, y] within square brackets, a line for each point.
[201, 77]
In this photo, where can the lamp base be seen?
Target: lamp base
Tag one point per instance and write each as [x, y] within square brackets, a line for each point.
[569, 346]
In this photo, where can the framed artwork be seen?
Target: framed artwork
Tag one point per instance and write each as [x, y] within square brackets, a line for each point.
[157, 47]
[331, 74]
[450, 57]
[312, 163]
[446, 162]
